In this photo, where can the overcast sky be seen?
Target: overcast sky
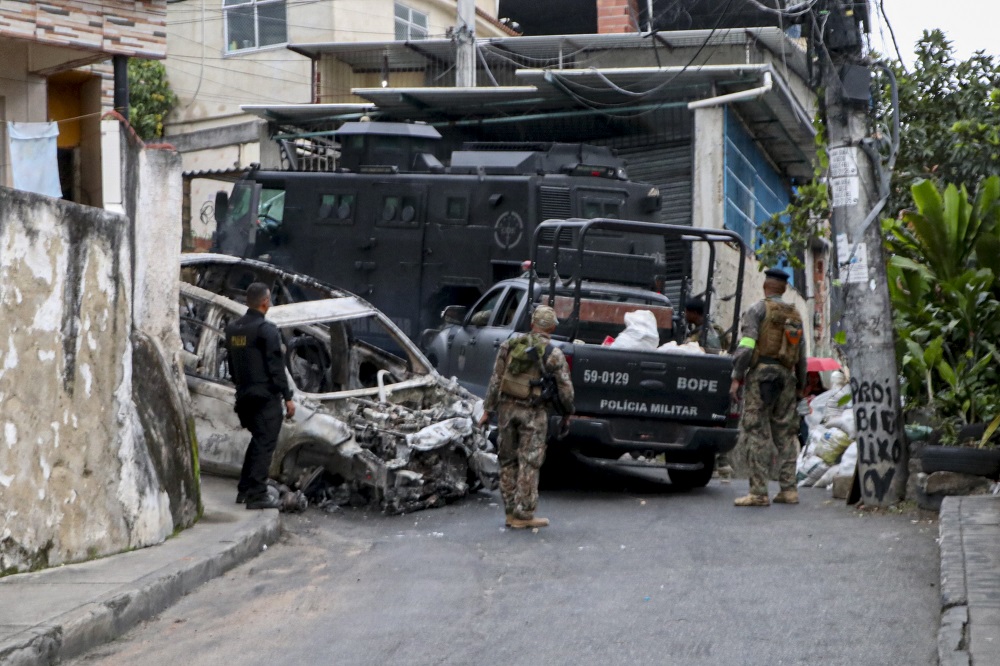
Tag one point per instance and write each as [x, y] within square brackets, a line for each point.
[970, 25]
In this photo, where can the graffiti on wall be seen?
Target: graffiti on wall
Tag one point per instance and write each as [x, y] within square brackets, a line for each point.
[880, 441]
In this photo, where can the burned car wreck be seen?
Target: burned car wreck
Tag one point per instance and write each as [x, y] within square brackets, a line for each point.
[375, 423]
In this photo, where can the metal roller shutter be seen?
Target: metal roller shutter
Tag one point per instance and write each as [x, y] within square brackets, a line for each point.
[668, 167]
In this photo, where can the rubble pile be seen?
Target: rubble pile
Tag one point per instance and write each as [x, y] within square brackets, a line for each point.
[408, 459]
[292, 501]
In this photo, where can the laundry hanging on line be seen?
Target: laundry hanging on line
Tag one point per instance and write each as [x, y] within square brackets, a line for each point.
[34, 164]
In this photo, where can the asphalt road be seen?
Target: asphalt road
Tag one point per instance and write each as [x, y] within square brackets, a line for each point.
[625, 575]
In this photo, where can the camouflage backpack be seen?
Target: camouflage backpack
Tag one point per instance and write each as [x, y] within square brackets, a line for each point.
[520, 360]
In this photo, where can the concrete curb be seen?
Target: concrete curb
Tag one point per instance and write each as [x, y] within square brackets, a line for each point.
[108, 617]
[953, 642]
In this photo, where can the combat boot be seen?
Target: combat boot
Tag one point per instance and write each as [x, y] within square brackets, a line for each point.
[524, 523]
[787, 497]
[752, 500]
[725, 473]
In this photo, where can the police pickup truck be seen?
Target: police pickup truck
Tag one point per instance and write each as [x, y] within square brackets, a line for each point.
[668, 407]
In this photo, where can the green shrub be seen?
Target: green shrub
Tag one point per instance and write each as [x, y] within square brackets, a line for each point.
[150, 97]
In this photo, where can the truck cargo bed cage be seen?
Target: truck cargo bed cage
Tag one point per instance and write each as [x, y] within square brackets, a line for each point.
[578, 230]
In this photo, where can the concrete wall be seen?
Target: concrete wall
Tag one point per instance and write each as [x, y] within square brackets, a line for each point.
[708, 211]
[95, 456]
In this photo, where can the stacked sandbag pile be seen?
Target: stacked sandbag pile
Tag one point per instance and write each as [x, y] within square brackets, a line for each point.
[830, 449]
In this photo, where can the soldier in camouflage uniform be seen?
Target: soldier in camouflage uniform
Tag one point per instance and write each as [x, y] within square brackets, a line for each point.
[515, 395]
[771, 359]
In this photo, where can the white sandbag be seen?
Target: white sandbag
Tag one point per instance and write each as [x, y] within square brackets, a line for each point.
[640, 331]
[816, 407]
[840, 401]
[686, 348]
[842, 421]
[810, 470]
[827, 479]
[814, 438]
[848, 461]
[829, 444]
[825, 406]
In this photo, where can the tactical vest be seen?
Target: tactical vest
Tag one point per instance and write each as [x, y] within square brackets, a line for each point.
[780, 337]
[526, 384]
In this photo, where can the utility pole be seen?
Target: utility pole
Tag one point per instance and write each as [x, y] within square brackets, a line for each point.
[857, 193]
[465, 43]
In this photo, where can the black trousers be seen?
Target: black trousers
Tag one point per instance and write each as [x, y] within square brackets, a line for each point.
[263, 419]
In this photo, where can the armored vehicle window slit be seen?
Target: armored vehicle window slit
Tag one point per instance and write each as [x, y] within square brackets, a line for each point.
[399, 211]
[336, 208]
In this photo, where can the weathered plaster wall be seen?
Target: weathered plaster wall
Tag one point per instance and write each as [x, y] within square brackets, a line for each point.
[96, 447]
[152, 198]
[68, 483]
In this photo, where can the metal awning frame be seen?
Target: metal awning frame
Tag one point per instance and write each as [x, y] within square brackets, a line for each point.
[561, 86]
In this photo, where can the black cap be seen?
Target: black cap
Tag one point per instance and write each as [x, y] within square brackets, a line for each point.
[695, 305]
[776, 274]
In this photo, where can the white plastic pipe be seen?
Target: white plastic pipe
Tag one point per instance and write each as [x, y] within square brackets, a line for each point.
[740, 96]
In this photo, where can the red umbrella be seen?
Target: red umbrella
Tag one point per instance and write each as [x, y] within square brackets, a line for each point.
[820, 364]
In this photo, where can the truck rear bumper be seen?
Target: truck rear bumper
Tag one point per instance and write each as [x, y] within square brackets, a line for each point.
[600, 438]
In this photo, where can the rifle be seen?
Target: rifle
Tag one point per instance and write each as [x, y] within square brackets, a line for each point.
[549, 388]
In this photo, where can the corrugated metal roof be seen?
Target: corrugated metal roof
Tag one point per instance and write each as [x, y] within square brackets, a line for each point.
[550, 50]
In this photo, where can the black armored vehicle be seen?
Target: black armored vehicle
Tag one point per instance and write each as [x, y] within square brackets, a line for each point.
[413, 231]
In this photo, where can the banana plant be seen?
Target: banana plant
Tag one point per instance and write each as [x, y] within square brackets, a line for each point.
[941, 237]
[943, 280]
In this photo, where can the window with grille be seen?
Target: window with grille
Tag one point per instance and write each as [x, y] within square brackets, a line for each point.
[253, 24]
[754, 191]
[410, 24]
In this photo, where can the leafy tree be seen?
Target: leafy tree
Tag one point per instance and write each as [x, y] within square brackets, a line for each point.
[949, 133]
[150, 97]
[949, 117]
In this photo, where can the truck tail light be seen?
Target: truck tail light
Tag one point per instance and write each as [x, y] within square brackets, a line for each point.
[569, 360]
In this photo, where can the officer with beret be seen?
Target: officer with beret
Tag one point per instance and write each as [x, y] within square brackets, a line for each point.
[770, 363]
[515, 393]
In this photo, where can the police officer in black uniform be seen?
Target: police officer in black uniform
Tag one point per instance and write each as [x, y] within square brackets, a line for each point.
[258, 370]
